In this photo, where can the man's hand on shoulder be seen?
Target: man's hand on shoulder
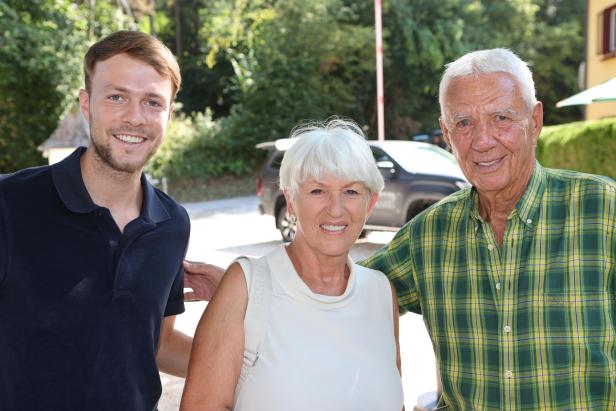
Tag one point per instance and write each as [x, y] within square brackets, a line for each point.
[202, 278]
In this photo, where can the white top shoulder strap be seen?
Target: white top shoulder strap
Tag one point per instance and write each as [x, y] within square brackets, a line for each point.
[259, 283]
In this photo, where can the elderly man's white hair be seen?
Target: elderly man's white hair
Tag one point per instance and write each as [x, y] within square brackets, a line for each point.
[490, 61]
[336, 148]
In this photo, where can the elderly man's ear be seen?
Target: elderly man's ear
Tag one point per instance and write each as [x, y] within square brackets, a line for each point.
[537, 118]
[444, 130]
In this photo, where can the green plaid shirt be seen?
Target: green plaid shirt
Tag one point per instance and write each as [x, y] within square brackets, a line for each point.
[527, 326]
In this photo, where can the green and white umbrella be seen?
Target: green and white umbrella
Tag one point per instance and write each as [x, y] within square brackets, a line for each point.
[601, 92]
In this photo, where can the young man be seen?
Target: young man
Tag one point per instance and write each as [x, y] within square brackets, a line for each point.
[91, 254]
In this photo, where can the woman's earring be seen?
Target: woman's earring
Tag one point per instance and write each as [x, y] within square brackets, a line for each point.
[293, 218]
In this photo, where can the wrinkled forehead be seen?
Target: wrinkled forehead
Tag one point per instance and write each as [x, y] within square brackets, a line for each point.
[486, 92]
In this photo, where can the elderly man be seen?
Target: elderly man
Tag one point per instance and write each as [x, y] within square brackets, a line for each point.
[515, 277]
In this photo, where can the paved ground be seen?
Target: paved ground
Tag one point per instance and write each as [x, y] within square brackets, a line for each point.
[223, 229]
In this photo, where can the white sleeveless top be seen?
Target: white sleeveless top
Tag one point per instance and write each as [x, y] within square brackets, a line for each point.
[325, 353]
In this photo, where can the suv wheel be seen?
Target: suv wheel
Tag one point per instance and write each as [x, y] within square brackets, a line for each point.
[286, 226]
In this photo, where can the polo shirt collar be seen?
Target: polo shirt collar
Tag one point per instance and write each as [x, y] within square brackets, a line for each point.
[152, 208]
[66, 176]
[527, 208]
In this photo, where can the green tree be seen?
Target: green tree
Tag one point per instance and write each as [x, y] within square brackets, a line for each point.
[293, 60]
[203, 86]
[41, 44]
[555, 51]
[421, 37]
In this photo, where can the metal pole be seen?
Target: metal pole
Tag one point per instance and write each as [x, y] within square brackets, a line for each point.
[380, 95]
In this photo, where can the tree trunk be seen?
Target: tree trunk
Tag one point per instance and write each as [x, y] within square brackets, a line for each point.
[91, 16]
[151, 14]
[178, 29]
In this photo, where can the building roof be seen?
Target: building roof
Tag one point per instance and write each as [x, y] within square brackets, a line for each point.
[72, 131]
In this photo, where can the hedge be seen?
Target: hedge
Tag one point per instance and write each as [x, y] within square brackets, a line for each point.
[587, 146]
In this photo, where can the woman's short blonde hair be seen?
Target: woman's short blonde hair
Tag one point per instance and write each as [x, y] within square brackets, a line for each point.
[336, 148]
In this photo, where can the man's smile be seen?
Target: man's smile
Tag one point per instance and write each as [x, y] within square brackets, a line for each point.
[129, 139]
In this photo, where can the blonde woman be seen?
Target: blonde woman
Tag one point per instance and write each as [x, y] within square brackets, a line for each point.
[328, 338]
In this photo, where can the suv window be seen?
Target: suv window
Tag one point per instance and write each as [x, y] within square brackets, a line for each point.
[380, 155]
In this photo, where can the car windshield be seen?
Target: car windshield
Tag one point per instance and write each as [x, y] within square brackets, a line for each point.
[425, 159]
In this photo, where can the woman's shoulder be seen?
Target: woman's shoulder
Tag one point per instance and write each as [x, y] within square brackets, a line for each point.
[374, 286]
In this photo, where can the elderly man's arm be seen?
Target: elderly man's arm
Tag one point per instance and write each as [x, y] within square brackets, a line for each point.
[202, 278]
[395, 260]
[217, 353]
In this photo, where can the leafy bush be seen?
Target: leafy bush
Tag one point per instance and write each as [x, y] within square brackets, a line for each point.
[583, 146]
[199, 147]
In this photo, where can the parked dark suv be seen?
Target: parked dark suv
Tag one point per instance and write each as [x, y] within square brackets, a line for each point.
[416, 175]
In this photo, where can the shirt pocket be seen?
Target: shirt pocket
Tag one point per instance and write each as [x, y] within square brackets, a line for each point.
[590, 312]
[576, 301]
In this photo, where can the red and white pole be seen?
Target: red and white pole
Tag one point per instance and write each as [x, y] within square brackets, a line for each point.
[380, 94]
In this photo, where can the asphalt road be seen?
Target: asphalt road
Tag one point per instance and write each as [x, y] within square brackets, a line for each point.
[224, 229]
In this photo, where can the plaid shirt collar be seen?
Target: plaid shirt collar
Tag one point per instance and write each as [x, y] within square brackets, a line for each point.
[528, 208]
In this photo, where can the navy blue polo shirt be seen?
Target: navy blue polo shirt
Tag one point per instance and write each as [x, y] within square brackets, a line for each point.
[81, 304]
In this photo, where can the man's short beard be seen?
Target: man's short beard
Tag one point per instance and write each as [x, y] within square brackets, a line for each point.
[104, 153]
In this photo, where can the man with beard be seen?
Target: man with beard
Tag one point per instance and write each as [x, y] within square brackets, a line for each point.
[91, 254]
